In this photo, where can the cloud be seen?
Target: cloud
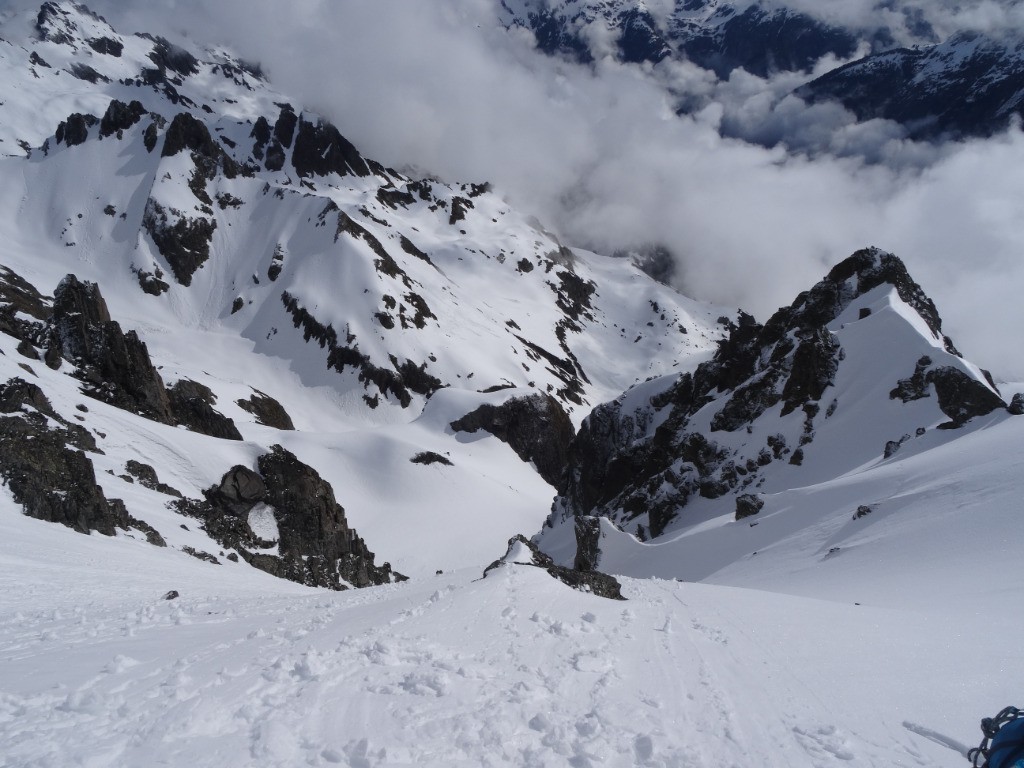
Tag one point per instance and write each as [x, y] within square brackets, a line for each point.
[600, 155]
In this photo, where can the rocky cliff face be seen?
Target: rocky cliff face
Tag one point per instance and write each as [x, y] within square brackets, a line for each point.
[770, 409]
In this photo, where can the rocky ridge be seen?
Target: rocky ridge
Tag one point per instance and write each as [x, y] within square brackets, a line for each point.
[771, 410]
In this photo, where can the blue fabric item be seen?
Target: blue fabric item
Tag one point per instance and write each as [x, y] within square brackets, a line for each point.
[1007, 747]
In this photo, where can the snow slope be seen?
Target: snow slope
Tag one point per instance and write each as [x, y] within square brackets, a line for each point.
[515, 669]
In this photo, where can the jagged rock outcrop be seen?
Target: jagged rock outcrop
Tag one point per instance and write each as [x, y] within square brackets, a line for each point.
[757, 405]
[114, 366]
[268, 411]
[192, 405]
[44, 465]
[960, 396]
[314, 544]
[147, 477]
[184, 241]
[537, 428]
[321, 150]
[522, 551]
[120, 117]
[23, 309]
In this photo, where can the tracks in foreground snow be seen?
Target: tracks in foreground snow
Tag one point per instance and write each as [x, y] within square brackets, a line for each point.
[512, 670]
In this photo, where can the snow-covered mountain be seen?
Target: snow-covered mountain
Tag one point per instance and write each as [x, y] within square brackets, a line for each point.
[854, 375]
[258, 368]
[967, 85]
[273, 287]
[761, 38]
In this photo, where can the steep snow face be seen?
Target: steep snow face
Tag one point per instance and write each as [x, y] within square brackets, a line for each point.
[263, 262]
[856, 374]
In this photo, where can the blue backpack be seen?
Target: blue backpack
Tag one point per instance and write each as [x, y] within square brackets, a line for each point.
[1003, 745]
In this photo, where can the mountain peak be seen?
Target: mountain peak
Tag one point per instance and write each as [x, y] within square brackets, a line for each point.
[65, 23]
[851, 279]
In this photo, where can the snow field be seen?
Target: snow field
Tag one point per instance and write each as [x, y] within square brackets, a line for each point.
[512, 670]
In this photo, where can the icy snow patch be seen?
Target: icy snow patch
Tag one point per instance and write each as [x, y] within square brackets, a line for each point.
[263, 523]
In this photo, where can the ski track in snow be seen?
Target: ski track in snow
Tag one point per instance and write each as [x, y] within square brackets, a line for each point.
[512, 670]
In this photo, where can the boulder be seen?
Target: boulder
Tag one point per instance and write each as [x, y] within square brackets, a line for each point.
[268, 411]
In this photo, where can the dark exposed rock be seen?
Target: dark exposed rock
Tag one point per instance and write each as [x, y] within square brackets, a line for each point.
[401, 380]
[25, 349]
[192, 405]
[87, 73]
[321, 150]
[107, 46]
[261, 134]
[237, 304]
[393, 198]
[75, 129]
[183, 241]
[52, 481]
[267, 411]
[167, 56]
[412, 250]
[53, 24]
[172, 595]
[284, 128]
[147, 477]
[150, 136]
[199, 554]
[748, 505]
[645, 460]
[589, 581]
[915, 387]
[862, 511]
[276, 264]
[588, 543]
[37, 60]
[19, 297]
[962, 397]
[639, 38]
[186, 132]
[1016, 407]
[316, 546]
[460, 207]
[815, 363]
[114, 366]
[120, 117]
[537, 428]
[152, 283]
[429, 457]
